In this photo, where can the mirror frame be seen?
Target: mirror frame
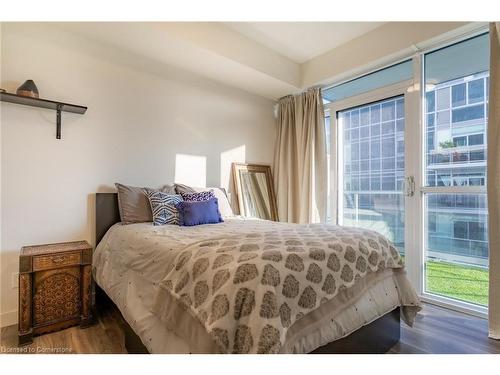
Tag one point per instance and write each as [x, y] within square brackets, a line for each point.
[259, 168]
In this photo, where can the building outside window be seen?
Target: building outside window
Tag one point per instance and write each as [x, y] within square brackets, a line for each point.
[456, 113]
[374, 168]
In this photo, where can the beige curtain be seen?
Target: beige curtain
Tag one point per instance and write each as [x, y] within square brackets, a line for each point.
[494, 182]
[300, 167]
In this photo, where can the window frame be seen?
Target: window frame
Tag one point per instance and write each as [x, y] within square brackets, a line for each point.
[450, 303]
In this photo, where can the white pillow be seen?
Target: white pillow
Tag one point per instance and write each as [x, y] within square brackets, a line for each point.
[224, 205]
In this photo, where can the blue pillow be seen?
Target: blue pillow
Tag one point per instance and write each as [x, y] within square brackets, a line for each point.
[163, 207]
[197, 213]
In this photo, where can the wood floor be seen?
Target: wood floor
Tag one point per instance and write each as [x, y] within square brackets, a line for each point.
[104, 337]
[436, 330]
[442, 331]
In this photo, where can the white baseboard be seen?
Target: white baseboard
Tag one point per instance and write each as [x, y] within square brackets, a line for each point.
[8, 318]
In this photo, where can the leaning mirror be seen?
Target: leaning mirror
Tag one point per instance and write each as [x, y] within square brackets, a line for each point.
[253, 185]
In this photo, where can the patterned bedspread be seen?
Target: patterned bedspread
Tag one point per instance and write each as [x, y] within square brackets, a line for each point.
[247, 287]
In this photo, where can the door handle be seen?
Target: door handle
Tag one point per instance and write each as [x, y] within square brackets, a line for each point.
[410, 186]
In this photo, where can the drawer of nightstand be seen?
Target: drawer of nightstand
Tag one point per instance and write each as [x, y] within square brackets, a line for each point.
[46, 262]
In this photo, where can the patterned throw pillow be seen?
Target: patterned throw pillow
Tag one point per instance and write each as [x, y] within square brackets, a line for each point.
[198, 197]
[163, 207]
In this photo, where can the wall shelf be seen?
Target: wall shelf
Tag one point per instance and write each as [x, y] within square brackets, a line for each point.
[44, 103]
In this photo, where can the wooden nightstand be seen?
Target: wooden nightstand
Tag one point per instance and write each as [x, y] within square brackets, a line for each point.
[55, 288]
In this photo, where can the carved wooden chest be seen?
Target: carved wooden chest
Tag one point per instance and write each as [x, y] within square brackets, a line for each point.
[55, 288]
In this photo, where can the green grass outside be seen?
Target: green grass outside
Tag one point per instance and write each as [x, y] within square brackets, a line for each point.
[458, 281]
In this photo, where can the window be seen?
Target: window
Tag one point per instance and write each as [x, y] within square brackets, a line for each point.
[476, 139]
[443, 99]
[443, 118]
[431, 120]
[456, 242]
[430, 100]
[477, 155]
[476, 91]
[373, 196]
[458, 95]
[371, 149]
[468, 113]
[460, 141]
[460, 229]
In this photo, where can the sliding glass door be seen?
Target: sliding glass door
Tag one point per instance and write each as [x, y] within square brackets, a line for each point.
[455, 212]
[410, 145]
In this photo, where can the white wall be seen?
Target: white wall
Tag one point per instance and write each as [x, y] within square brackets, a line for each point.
[137, 125]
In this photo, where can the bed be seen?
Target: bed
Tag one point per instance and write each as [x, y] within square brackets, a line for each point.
[251, 286]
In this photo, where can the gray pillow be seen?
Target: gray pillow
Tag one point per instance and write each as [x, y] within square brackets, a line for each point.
[134, 205]
[183, 189]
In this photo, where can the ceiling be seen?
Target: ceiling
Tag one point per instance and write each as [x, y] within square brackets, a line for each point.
[269, 59]
[302, 41]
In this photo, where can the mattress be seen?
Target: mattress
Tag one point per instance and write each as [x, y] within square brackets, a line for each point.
[132, 263]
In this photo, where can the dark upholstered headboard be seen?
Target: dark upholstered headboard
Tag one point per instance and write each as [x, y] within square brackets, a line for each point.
[106, 214]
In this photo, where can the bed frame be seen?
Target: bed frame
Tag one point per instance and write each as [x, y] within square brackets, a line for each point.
[374, 338]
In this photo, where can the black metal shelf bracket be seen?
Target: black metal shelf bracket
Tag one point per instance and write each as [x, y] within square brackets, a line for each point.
[58, 123]
[45, 103]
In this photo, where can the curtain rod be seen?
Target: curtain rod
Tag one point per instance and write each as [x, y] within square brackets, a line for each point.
[301, 92]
